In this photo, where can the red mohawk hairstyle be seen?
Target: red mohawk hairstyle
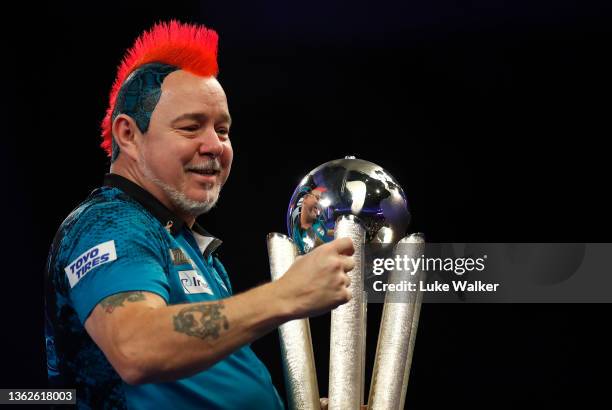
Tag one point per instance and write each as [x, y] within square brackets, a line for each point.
[189, 47]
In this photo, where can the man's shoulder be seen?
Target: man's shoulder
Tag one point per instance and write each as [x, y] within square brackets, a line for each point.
[110, 207]
[107, 226]
[107, 212]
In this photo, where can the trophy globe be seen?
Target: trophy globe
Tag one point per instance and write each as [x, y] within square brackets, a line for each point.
[347, 186]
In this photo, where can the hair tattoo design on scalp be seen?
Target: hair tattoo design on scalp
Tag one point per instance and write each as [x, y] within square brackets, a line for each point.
[139, 95]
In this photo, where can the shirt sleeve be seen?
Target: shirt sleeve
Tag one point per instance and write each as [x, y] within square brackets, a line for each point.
[114, 247]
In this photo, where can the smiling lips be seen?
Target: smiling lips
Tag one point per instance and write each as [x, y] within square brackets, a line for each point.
[207, 172]
[207, 177]
[204, 171]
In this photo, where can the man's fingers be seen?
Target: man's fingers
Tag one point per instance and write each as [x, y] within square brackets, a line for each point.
[347, 280]
[344, 246]
[348, 263]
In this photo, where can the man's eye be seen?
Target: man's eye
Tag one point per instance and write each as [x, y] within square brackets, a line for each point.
[190, 128]
[223, 131]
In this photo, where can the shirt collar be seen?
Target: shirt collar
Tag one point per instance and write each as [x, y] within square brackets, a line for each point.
[206, 242]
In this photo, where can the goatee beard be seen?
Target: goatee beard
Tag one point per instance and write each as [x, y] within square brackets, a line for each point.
[187, 205]
[179, 199]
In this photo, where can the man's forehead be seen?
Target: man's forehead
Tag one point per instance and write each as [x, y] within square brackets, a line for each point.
[186, 93]
[182, 82]
[201, 117]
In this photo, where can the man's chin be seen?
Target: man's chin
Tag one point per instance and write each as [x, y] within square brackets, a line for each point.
[194, 204]
[194, 207]
[210, 196]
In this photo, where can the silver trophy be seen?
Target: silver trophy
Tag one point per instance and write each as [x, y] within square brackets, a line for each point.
[357, 199]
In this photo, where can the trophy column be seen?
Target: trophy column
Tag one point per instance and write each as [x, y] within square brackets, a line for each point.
[347, 338]
[398, 328]
[295, 340]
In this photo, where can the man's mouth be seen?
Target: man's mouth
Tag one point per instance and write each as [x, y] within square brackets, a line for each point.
[204, 171]
[207, 169]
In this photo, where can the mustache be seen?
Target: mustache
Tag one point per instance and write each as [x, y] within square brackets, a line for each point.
[212, 165]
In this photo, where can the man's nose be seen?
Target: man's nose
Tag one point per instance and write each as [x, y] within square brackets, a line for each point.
[210, 143]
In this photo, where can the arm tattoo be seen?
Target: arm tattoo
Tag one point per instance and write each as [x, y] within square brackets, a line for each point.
[110, 303]
[203, 321]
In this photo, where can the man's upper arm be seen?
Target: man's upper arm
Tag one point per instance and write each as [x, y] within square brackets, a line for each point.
[114, 311]
[114, 248]
[115, 314]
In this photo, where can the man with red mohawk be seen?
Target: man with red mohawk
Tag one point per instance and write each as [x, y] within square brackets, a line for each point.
[139, 310]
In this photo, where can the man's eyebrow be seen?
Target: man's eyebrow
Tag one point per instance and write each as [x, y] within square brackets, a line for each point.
[225, 117]
[198, 116]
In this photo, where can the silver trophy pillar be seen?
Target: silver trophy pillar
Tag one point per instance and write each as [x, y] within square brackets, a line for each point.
[347, 336]
[397, 335]
[295, 340]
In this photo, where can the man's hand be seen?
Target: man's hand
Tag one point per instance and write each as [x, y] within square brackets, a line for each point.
[317, 282]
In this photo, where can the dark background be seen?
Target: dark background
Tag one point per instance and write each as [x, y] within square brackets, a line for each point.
[493, 116]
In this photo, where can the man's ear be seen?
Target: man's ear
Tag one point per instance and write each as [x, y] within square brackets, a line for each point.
[127, 135]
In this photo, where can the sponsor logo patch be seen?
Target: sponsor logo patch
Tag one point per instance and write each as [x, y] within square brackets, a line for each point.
[96, 256]
[193, 282]
[178, 256]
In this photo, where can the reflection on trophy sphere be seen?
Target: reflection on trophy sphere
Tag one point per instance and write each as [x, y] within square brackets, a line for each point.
[347, 186]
